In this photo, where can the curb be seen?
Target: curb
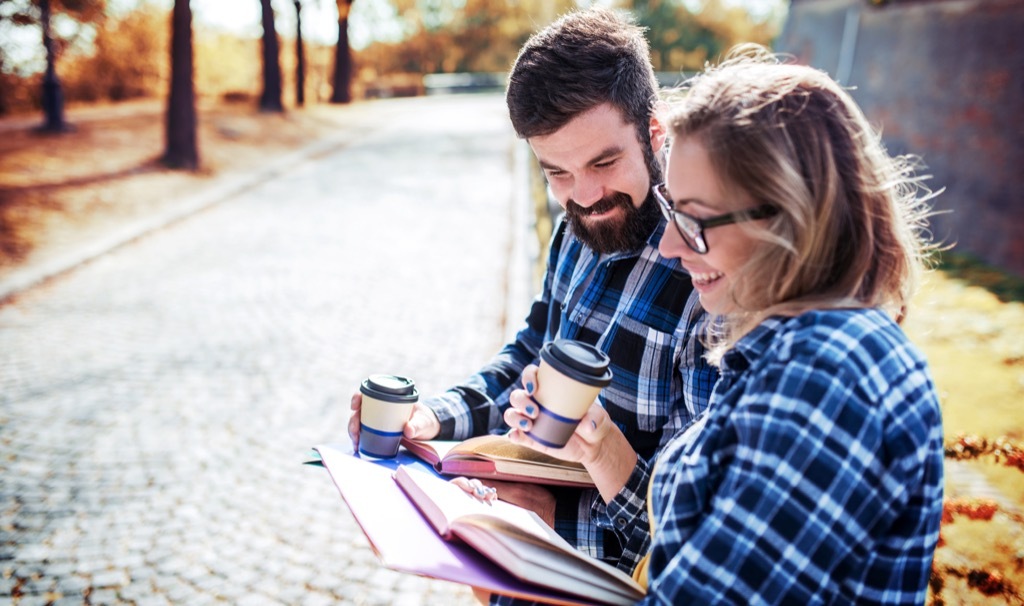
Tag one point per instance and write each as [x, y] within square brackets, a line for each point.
[25, 278]
[522, 251]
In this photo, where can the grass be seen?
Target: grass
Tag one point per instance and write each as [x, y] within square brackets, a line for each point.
[972, 270]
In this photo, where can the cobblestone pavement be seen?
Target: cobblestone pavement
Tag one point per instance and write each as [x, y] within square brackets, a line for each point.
[156, 403]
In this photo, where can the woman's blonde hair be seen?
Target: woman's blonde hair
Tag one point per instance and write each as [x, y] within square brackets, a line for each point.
[851, 231]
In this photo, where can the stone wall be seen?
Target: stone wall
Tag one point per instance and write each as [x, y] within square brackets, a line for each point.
[943, 79]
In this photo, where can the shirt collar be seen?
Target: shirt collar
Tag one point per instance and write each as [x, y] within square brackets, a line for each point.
[751, 346]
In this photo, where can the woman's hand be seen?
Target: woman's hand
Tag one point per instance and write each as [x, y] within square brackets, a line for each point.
[476, 489]
[597, 442]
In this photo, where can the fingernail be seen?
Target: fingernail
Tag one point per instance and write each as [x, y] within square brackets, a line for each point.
[529, 387]
[523, 423]
[479, 491]
[530, 409]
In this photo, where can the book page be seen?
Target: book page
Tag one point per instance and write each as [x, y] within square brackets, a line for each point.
[443, 502]
[500, 447]
[431, 451]
[549, 565]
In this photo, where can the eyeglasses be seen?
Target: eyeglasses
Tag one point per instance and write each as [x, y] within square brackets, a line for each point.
[691, 228]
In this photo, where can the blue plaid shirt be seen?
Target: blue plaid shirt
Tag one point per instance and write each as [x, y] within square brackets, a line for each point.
[815, 477]
[640, 309]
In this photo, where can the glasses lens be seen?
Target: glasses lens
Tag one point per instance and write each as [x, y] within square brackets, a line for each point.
[689, 229]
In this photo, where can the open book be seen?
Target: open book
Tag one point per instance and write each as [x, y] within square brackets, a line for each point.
[516, 540]
[496, 457]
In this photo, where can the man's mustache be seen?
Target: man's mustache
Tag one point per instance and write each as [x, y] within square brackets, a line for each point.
[601, 206]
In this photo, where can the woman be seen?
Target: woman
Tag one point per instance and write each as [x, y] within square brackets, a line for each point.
[815, 476]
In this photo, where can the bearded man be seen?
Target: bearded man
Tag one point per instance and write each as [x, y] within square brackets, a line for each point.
[583, 94]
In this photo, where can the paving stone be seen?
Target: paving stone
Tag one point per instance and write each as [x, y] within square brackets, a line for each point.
[72, 585]
[103, 597]
[112, 578]
[34, 600]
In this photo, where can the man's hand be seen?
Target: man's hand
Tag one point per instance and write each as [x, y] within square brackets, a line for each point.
[423, 425]
[528, 496]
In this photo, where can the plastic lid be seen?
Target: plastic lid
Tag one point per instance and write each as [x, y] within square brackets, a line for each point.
[579, 361]
[390, 388]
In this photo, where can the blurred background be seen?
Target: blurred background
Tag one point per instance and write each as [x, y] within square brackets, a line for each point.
[212, 86]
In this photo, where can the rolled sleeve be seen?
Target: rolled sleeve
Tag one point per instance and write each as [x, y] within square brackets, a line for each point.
[626, 516]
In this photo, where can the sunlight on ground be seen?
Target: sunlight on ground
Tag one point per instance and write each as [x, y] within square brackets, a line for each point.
[975, 346]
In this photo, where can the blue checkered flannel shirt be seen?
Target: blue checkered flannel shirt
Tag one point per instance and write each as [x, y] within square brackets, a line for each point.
[814, 477]
[642, 311]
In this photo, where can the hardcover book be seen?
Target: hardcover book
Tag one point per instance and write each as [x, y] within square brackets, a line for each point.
[496, 457]
[419, 523]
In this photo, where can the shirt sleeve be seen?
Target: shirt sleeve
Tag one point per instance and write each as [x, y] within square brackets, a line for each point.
[626, 516]
[799, 485]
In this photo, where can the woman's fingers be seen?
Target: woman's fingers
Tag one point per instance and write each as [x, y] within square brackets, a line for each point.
[530, 378]
[476, 489]
[523, 408]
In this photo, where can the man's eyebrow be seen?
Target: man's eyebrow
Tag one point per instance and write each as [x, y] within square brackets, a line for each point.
[606, 153]
[603, 155]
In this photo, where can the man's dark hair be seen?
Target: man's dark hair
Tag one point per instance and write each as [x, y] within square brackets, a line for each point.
[584, 59]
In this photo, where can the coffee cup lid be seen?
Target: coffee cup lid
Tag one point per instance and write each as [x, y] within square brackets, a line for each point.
[579, 361]
[390, 388]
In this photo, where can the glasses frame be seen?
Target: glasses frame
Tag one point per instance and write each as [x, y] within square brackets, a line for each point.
[691, 229]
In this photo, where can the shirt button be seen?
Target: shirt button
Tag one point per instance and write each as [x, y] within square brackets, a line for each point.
[621, 522]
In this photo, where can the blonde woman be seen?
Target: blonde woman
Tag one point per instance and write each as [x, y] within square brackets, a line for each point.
[815, 475]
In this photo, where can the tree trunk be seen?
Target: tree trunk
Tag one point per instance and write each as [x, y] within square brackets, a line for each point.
[342, 57]
[53, 95]
[270, 100]
[182, 150]
[300, 54]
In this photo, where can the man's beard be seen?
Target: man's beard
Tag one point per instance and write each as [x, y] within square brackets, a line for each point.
[614, 235]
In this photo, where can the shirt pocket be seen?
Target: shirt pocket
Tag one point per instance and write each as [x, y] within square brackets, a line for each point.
[646, 380]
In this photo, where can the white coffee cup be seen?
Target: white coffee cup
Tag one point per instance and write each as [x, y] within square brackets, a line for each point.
[570, 375]
[387, 406]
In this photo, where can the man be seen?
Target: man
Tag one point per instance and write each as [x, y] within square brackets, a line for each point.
[582, 93]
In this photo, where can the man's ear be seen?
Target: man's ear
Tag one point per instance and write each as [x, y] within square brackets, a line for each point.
[659, 132]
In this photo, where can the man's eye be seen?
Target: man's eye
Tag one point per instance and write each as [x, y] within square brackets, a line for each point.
[555, 174]
[606, 164]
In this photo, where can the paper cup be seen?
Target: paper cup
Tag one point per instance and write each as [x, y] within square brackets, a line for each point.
[387, 407]
[570, 376]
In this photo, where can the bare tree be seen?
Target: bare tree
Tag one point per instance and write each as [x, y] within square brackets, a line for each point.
[300, 55]
[53, 94]
[342, 92]
[270, 100]
[182, 150]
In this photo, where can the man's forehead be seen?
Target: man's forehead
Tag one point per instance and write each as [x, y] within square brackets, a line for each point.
[591, 136]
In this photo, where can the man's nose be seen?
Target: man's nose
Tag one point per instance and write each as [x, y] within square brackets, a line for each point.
[587, 191]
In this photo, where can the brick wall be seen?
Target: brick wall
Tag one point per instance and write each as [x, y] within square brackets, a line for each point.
[943, 79]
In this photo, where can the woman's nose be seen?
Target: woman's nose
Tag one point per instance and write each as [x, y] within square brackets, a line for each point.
[672, 245]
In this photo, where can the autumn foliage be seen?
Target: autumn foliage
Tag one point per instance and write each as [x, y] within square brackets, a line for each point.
[115, 57]
[991, 579]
